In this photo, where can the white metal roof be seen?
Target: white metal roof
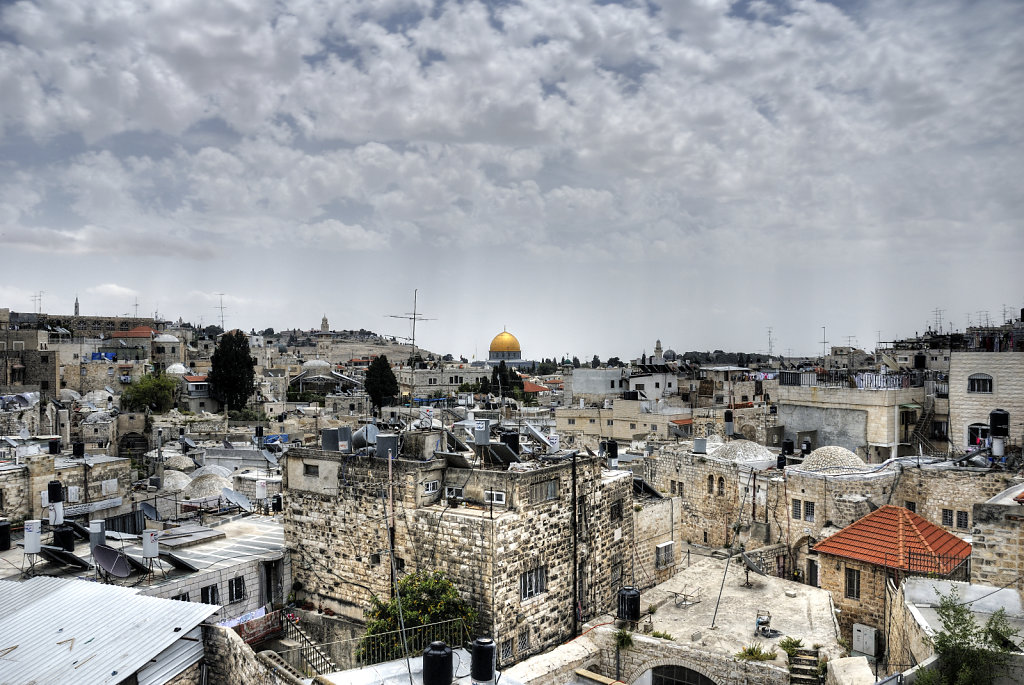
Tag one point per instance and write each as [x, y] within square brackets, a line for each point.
[79, 631]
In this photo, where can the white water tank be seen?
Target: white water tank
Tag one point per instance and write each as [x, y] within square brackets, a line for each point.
[261, 489]
[150, 545]
[33, 536]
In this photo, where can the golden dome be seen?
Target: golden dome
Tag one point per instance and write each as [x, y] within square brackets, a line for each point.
[505, 342]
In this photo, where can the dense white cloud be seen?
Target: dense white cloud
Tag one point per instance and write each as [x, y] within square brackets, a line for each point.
[551, 137]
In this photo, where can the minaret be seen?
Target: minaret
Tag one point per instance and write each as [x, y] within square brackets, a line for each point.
[76, 305]
[324, 326]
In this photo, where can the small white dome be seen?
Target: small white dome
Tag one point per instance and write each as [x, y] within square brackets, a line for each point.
[316, 366]
[165, 338]
[832, 458]
[176, 370]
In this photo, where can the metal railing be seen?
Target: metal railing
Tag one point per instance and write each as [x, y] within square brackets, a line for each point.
[312, 660]
[374, 649]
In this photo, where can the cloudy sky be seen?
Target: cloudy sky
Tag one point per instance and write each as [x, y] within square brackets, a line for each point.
[590, 175]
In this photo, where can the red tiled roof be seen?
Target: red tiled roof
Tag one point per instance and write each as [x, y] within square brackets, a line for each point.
[682, 422]
[137, 332]
[897, 538]
[195, 379]
[529, 386]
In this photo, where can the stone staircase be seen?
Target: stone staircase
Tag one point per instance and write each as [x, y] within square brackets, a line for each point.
[803, 667]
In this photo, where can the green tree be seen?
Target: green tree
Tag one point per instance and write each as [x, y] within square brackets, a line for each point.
[575, 362]
[970, 654]
[595, 362]
[547, 367]
[232, 376]
[150, 392]
[427, 597]
[381, 384]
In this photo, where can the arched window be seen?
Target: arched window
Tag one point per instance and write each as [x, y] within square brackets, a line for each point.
[977, 434]
[979, 382]
[678, 675]
[721, 485]
[711, 485]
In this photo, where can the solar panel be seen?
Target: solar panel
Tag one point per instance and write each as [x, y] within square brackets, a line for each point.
[537, 435]
[502, 453]
[81, 531]
[456, 460]
[58, 556]
[112, 561]
[178, 562]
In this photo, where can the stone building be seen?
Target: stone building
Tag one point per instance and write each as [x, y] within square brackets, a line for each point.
[998, 539]
[890, 543]
[166, 350]
[27, 364]
[506, 536]
[78, 326]
[978, 383]
[619, 419]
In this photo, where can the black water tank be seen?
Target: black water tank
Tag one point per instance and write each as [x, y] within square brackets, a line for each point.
[54, 445]
[54, 491]
[728, 415]
[780, 461]
[275, 503]
[64, 537]
[78, 449]
[5, 536]
[805, 447]
[613, 449]
[999, 423]
[482, 665]
[437, 664]
[629, 604]
[512, 440]
[787, 446]
[259, 431]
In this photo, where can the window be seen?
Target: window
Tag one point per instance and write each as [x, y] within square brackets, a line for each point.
[711, 485]
[311, 470]
[678, 675]
[632, 426]
[809, 511]
[523, 643]
[612, 384]
[664, 554]
[533, 582]
[44, 385]
[572, 422]
[616, 575]
[544, 490]
[672, 485]
[947, 518]
[721, 485]
[979, 382]
[962, 519]
[657, 385]
[593, 420]
[640, 386]
[616, 510]
[451, 491]
[183, 597]
[977, 434]
[910, 506]
[374, 560]
[852, 583]
[797, 507]
[507, 651]
[431, 486]
[44, 359]
[399, 564]
[609, 422]
[208, 595]
[494, 496]
[236, 589]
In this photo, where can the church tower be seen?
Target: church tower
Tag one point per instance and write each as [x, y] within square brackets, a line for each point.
[76, 305]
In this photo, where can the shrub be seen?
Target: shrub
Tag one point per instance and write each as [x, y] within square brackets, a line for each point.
[755, 652]
[662, 635]
[623, 639]
[789, 645]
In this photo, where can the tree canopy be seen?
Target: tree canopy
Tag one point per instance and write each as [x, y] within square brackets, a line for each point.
[156, 393]
[970, 654]
[232, 376]
[427, 597]
[381, 384]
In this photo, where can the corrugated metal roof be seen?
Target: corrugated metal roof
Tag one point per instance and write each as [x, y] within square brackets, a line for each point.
[14, 595]
[81, 631]
[173, 660]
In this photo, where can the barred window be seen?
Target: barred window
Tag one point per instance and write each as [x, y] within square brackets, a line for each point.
[809, 511]
[962, 519]
[534, 582]
[544, 490]
[236, 589]
[711, 485]
[852, 583]
[616, 510]
[979, 382]
[616, 575]
[209, 595]
[665, 554]
[721, 485]
[797, 508]
[523, 643]
[947, 517]
[507, 650]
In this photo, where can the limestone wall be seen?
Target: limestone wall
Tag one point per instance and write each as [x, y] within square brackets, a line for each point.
[230, 660]
[1007, 372]
[998, 547]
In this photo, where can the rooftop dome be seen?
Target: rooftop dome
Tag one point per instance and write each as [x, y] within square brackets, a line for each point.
[165, 338]
[505, 342]
[832, 457]
[215, 469]
[179, 462]
[743, 451]
[177, 369]
[174, 480]
[316, 366]
[208, 485]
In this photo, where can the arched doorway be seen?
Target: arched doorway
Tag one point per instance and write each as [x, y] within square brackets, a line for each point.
[678, 675]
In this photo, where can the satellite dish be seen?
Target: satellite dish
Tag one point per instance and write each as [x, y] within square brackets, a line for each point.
[236, 498]
[751, 564]
[269, 457]
[112, 561]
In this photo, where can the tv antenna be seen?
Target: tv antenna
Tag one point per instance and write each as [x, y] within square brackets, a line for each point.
[37, 301]
[412, 316]
[221, 307]
[824, 343]
[769, 342]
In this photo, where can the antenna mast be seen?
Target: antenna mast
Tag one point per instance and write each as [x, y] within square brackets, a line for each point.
[221, 308]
